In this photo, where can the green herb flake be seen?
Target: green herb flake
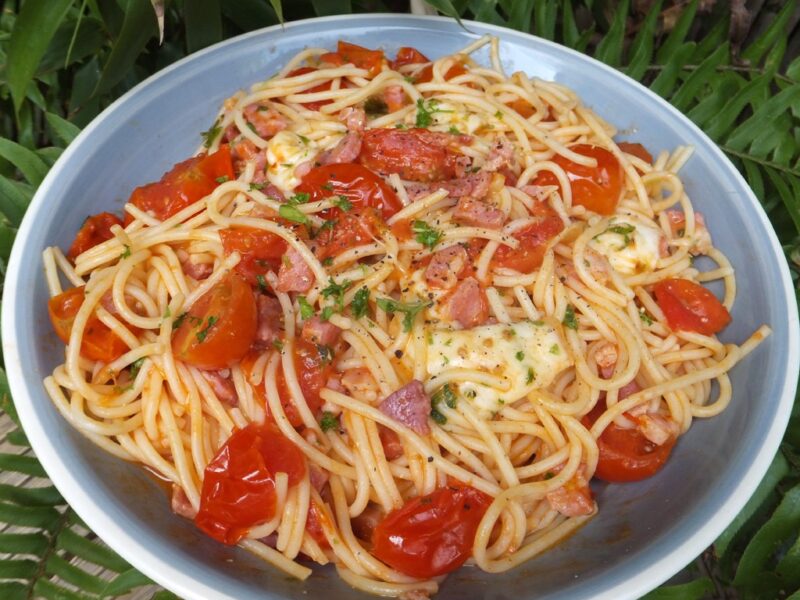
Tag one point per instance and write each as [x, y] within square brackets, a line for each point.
[530, 376]
[179, 321]
[555, 349]
[257, 186]
[444, 394]
[570, 320]
[211, 134]
[360, 303]
[425, 234]
[262, 283]
[499, 115]
[126, 253]
[327, 313]
[520, 355]
[306, 311]
[400, 126]
[424, 111]
[327, 262]
[222, 179]
[549, 475]
[438, 417]
[303, 139]
[625, 230]
[375, 106]
[292, 213]
[299, 198]
[167, 313]
[278, 345]
[136, 367]
[203, 333]
[343, 203]
[646, 319]
[454, 130]
[410, 310]
[336, 292]
[328, 421]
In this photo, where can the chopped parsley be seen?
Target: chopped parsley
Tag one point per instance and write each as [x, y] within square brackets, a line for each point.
[222, 179]
[336, 292]
[278, 345]
[424, 111]
[360, 303]
[410, 310]
[262, 283]
[328, 187]
[168, 312]
[438, 417]
[256, 186]
[136, 367]
[325, 354]
[127, 252]
[499, 115]
[374, 106]
[210, 322]
[179, 321]
[327, 262]
[299, 198]
[646, 319]
[570, 320]
[520, 356]
[454, 130]
[251, 127]
[530, 376]
[623, 229]
[549, 475]
[303, 139]
[306, 311]
[211, 134]
[425, 234]
[444, 394]
[292, 213]
[400, 126]
[328, 421]
[555, 349]
[343, 203]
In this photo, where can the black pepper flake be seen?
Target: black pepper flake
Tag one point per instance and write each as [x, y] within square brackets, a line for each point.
[398, 353]
[430, 459]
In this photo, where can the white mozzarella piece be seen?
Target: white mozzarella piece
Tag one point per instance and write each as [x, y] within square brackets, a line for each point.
[630, 245]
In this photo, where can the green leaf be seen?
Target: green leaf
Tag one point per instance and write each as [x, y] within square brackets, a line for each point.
[51, 591]
[64, 130]
[277, 6]
[203, 23]
[784, 522]
[29, 516]
[674, 41]
[17, 569]
[31, 166]
[725, 86]
[609, 50]
[717, 36]
[249, 14]
[755, 180]
[793, 70]
[11, 590]
[13, 201]
[332, 7]
[641, 50]
[56, 565]
[745, 133]
[30, 496]
[6, 404]
[694, 590]
[91, 550]
[28, 465]
[138, 27]
[23, 543]
[666, 80]
[7, 236]
[545, 16]
[125, 582]
[766, 40]
[569, 29]
[446, 8]
[89, 38]
[35, 26]
[721, 124]
[699, 78]
[789, 566]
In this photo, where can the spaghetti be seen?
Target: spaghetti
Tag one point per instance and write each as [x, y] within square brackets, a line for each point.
[394, 316]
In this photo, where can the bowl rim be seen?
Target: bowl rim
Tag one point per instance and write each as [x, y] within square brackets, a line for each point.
[147, 560]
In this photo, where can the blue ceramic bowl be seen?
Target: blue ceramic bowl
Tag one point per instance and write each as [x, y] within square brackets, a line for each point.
[644, 533]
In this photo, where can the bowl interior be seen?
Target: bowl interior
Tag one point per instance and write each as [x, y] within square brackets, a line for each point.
[645, 532]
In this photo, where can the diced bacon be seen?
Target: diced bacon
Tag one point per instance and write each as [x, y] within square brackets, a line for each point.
[392, 446]
[475, 185]
[410, 406]
[272, 191]
[574, 498]
[243, 151]
[629, 389]
[477, 213]
[463, 164]
[468, 305]
[538, 192]
[265, 120]
[595, 263]
[365, 523]
[394, 97]
[334, 383]
[354, 118]
[230, 133]
[180, 503]
[606, 357]
[294, 275]
[346, 151]
[501, 155]
[702, 238]
[271, 540]
[657, 428]
[197, 270]
[322, 333]
[270, 321]
[445, 265]
[222, 385]
[318, 476]
[360, 383]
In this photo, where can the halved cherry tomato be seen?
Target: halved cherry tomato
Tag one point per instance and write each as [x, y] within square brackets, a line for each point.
[409, 56]
[689, 306]
[350, 229]
[533, 240]
[456, 69]
[415, 154]
[625, 454]
[186, 183]
[316, 517]
[219, 328]
[361, 57]
[358, 184]
[99, 342]
[322, 87]
[522, 106]
[598, 188]
[239, 483]
[95, 230]
[261, 251]
[636, 150]
[431, 535]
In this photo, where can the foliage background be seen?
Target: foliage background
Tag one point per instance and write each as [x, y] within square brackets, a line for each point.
[732, 67]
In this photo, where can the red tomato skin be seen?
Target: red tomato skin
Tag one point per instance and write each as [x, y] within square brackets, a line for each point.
[220, 344]
[363, 58]
[358, 184]
[636, 150]
[261, 251]
[312, 374]
[625, 454]
[533, 240]
[599, 188]
[316, 517]
[414, 154]
[186, 183]
[354, 228]
[322, 87]
[408, 56]
[95, 230]
[431, 535]
[99, 342]
[689, 306]
[239, 483]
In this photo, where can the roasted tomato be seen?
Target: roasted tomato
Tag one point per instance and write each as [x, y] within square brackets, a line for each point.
[414, 154]
[239, 483]
[359, 185]
[431, 535]
[409, 56]
[314, 521]
[322, 87]
[533, 241]
[349, 230]
[363, 58]
[599, 188]
[426, 74]
[636, 150]
[187, 182]
[95, 230]
[625, 454]
[689, 306]
[219, 328]
[261, 251]
[99, 342]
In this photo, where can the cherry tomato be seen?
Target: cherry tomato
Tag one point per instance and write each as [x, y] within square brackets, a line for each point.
[95, 230]
[316, 517]
[533, 240]
[414, 154]
[219, 328]
[363, 58]
[636, 150]
[431, 535]
[456, 69]
[359, 185]
[350, 229]
[598, 188]
[625, 454]
[187, 182]
[239, 483]
[408, 56]
[261, 251]
[99, 342]
[690, 307]
[322, 87]
[523, 107]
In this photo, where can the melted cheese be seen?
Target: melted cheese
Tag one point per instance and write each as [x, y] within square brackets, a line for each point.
[525, 356]
[630, 245]
[286, 150]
